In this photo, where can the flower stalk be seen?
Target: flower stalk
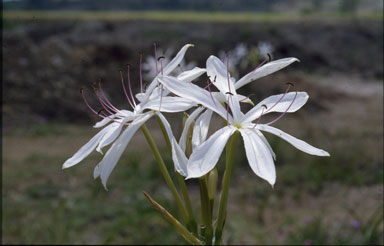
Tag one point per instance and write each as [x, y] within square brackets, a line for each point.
[164, 171]
[206, 211]
[231, 147]
[196, 154]
[179, 227]
[191, 222]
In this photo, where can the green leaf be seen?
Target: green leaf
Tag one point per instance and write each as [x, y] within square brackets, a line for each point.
[179, 227]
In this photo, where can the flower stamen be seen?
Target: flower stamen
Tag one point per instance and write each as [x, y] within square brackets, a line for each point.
[125, 91]
[210, 92]
[262, 113]
[106, 99]
[278, 118]
[99, 113]
[281, 98]
[102, 103]
[229, 88]
[155, 55]
[129, 84]
[141, 72]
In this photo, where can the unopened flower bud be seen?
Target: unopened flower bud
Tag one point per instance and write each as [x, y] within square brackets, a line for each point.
[212, 183]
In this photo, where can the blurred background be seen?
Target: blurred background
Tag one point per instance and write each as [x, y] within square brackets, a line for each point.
[53, 48]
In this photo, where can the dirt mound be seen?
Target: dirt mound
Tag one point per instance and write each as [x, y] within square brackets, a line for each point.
[45, 63]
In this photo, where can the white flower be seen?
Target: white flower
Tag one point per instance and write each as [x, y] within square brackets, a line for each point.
[215, 70]
[152, 100]
[260, 155]
[151, 65]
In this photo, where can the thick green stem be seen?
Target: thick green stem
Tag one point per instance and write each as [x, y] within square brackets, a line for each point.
[206, 211]
[231, 147]
[164, 171]
[191, 222]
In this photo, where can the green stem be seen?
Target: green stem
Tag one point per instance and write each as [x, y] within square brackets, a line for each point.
[192, 225]
[164, 170]
[191, 222]
[206, 211]
[231, 147]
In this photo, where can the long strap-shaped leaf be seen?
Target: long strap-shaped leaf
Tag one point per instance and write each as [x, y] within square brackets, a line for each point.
[179, 227]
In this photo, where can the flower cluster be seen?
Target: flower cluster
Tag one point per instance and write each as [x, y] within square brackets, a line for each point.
[178, 93]
[195, 154]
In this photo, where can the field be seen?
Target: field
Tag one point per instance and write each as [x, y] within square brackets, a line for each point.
[48, 57]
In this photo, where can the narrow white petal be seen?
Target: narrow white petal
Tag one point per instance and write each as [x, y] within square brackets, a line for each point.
[104, 121]
[206, 155]
[140, 96]
[86, 149]
[219, 96]
[170, 104]
[169, 68]
[217, 72]
[234, 104]
[200, 130]
[282, 106]
[116, 150]
[111, 135]
[222, 98]
[176, 60]
[194, 93]
[178, 156]
[120, 114]
[299, 144]
[265, 141]
[265, 70]
[187, 125]
[244, 99]
[188, 76]
[259, 156]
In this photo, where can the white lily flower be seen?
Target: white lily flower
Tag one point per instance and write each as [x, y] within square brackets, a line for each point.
[259, 154]
[151, 101]
[150, 65]
[219, 76]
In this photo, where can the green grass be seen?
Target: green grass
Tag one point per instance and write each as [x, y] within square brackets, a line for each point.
[183, 16]
[43, 204]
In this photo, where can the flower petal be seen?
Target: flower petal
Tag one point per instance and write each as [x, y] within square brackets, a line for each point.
[176, 60]
[265, 141]
[111, 135]
[194, 93]
[255, 112]
[265, 70]
[121, 114]
[217, 72]
[104, 121]
[114, 153]
[170, 104]
[179, 159]
[200, 130]
[222, 98]
[188, 76]
[206, 155]
[169, 68]
[299, 144]
[259, 156]
[140, 96]
[187, 125]
[86, 149]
